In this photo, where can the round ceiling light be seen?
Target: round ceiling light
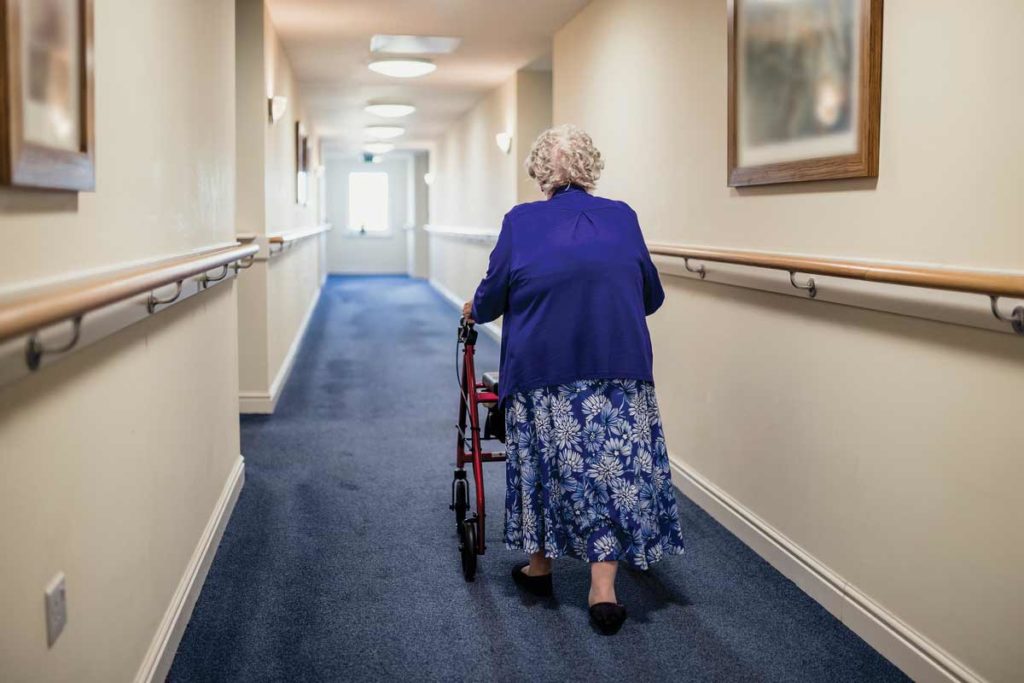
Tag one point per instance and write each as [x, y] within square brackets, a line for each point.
[378, 147]
[384, 132]
[402, 68]
[390, 111]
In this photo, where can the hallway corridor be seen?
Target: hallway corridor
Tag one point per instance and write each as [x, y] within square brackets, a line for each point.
[340, 561]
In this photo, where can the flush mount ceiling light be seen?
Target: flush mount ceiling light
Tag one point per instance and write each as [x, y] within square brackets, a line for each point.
[402, 68]
[414, 45]
[384, 132]
[378, 147]
[390, 111]
[504, 141]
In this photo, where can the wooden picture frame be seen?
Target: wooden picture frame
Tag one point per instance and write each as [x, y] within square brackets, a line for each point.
[301, 164]
[47, 126]
[805, 156]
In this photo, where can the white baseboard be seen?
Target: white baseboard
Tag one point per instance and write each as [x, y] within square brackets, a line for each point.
[164, 645]
[256, 403]
[264, 403]
[493, 330]
[917, 656]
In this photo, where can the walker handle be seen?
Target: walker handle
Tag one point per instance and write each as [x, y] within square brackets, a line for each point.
[467, 334]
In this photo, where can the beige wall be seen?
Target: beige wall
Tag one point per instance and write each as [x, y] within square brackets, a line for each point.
[418, 244]
[533, 117]
[283, 212]
[275, 300]
[111, 462]
[250, 116]
[475, 183]
[293, 282]
[250, 206]
[886, 447]
[350, 252]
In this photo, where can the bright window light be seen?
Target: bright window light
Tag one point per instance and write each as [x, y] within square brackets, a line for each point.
[368, 201]
[402, 68]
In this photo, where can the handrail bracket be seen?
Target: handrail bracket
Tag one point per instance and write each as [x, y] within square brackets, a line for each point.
[699, 270]
[242, 264]
[811, 288]
[1016, 318]
[153, 302]
[205, 280]
[34, 349]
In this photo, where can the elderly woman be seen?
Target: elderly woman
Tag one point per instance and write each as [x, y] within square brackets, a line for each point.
[587, 469]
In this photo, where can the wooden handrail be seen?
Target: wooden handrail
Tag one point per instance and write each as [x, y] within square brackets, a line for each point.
[931, 277]
[29, 312]
[464, 232]
[287, 236]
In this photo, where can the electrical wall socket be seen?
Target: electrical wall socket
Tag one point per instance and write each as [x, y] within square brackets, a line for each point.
[56, 609]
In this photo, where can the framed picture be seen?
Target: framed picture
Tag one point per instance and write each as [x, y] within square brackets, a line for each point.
[301, 164]
[47, 137]
[805, 80]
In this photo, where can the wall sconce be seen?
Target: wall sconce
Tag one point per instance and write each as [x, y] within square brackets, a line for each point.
[277, 106]
[428, 178]
[504, 141]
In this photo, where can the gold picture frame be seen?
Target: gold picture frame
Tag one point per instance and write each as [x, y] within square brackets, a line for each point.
[301, 164]
[47, 128]
[804, 89]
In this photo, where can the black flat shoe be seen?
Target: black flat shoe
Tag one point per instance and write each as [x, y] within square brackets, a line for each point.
[534, 585]
[607, 617]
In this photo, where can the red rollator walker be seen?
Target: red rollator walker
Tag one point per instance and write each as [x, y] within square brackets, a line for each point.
[474, 396]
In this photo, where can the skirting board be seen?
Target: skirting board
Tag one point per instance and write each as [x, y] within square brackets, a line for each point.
[491, 329]
[161, 651]
[264, 403]
[918, 657]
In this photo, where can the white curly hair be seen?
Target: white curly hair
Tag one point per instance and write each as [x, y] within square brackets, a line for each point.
[564, 155]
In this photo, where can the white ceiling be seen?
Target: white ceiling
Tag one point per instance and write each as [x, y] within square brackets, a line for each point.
[328, 44]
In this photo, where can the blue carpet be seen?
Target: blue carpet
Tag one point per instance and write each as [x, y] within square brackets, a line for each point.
[340, 562]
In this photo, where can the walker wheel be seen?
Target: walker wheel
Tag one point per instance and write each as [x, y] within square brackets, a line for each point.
[461, 504]
[467, 548]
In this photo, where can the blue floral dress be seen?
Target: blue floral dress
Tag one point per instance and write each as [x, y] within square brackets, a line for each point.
[587, 474]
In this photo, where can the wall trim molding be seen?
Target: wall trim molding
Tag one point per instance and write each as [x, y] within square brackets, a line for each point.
[491, 329]
[157, 662]
[918, 657]
[65, 277]
[464, 232]
[957, 308]
[265, 402]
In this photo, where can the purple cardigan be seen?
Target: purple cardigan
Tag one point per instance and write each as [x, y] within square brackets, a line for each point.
[574, 280]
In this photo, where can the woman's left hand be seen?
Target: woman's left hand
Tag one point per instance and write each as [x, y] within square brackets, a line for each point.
[467, 311]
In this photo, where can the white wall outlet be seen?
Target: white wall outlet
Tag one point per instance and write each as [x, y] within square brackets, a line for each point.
[56, 609]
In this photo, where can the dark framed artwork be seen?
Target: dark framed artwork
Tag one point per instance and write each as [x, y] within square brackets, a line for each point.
[805, 81]
[301, 164]
[47, 136]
